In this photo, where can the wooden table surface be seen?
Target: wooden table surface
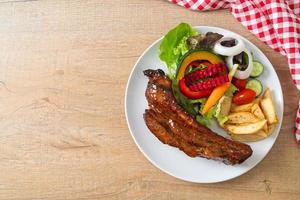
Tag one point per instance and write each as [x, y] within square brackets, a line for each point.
[64, 65]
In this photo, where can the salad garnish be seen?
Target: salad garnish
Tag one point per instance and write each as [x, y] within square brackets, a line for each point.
[212, 75]
[244, 60]
[228, 46]
[174, 46]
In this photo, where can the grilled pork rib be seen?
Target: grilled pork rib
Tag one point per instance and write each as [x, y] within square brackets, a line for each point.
[174, 126]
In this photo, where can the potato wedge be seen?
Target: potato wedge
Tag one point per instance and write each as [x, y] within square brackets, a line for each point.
[268, 107]
[249, 137]
[269, 110]
[245, 128]
[242, 108]
[257, 100]
[271, 129]
[256, 110]
[266, 127]
[225, 105]
[241, 118]
[267, 94]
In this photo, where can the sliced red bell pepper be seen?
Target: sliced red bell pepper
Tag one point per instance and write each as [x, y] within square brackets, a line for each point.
[189, 93]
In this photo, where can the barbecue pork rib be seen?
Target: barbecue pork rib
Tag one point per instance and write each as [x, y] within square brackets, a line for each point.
[173, 126]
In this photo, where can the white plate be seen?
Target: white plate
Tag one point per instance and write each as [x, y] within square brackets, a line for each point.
[170, 159]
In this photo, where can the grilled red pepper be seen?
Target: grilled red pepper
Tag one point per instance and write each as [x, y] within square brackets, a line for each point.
[189, 93]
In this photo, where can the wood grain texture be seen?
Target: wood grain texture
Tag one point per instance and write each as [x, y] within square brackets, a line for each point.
[64, 65]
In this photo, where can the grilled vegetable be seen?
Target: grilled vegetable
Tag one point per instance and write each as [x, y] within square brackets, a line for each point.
[197, 78]
[196, 55]
[255, 85]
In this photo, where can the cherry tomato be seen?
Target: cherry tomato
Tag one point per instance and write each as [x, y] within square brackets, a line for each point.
[239, 83]
[244, 96]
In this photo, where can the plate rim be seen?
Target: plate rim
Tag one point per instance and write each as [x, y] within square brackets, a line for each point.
[154, 162]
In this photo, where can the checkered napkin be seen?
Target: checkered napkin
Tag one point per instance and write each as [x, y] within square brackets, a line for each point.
[275, 22]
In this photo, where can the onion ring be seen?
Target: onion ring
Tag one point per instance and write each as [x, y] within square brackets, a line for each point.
[239, 73]
[238, 47]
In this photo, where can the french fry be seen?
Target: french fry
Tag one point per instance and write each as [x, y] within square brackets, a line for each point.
[225, 103]
[241, 118]
[242, 108]
[249, 137]
[256, 110]
[267, 94]
[269, 110]
[245, 128]
[253, 121]
[271, 129]
[257, 100]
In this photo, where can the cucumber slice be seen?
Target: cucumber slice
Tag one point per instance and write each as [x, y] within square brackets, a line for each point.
[257, 70]
[255, 85]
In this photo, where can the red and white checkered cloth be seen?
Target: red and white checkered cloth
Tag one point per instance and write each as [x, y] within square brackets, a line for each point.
[275, 22]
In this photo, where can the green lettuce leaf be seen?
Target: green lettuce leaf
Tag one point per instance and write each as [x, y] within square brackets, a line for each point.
[223, 109]
[206, 119]
[231, 90]
[218, 114]
[222, 119]
[201, 101]
[174, 46]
